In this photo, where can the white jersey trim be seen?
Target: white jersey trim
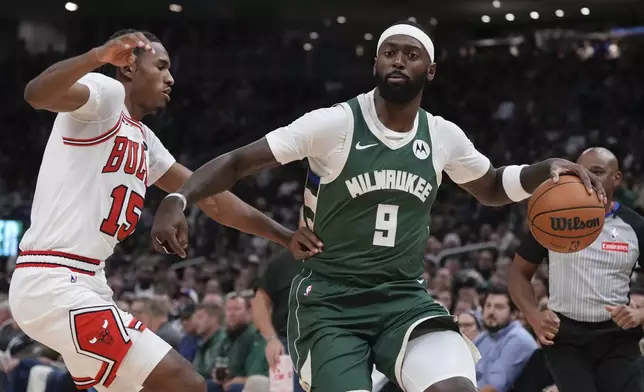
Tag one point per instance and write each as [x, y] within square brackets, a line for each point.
[68, 141]
[54, 259]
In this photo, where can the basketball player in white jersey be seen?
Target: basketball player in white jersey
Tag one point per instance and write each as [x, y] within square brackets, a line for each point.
[97, 165]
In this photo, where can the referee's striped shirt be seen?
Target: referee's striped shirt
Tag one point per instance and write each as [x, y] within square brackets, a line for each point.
[583, 283]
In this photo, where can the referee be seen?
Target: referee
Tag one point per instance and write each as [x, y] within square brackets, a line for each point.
[589, 334]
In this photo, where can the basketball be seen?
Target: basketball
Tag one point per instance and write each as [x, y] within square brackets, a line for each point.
[563, 217]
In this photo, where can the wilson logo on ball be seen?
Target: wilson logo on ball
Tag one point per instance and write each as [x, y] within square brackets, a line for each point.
[576, 223]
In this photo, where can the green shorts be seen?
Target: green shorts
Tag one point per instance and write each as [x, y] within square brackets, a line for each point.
[336, 333]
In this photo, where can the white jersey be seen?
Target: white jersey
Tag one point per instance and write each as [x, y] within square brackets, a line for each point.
[91, 186]
[321, 136]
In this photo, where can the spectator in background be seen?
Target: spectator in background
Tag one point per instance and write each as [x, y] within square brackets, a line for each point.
[468, 290]
[465, 305]
[214, 299]
[505, 345]
[123, 305]
[444, 297]
[241, 352]
[153, 313]
[207, 322]
[190, 342]
[270, 306]
[442, 280]
[469, 324]
[144, 286]
[486, 263]
[213, 286]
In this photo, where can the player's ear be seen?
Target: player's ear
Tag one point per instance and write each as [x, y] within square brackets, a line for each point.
[617, 179]
[431, 72]
[128, 71]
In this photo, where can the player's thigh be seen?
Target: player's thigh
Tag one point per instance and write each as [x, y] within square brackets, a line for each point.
[111, 344]
[413, 313]
[436, 357]
[334, 360]
[97, 341]
[149, 362]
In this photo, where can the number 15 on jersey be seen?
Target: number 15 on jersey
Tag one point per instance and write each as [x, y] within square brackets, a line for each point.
[133, 209]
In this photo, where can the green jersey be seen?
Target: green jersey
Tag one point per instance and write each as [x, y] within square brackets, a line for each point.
[370, 190]
[374, 217]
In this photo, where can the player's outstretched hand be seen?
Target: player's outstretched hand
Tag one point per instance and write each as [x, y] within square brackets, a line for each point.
[170, 228]
[625, 316]
[304, 244]
[120, 50]
[546, 327]
[559, 167]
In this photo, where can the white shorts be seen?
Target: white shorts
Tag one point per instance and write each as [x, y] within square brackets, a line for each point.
[74, 314]
[435, 357]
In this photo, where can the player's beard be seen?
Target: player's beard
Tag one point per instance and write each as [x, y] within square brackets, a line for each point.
[400, 93]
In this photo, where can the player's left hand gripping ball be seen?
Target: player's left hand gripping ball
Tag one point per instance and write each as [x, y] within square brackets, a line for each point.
[170, 228]
[592, 182]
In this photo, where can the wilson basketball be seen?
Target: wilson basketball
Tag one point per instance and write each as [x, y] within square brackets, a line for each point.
[563, 217]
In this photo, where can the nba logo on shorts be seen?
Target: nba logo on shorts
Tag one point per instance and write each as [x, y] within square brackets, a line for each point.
[308, 290]
[74, 278]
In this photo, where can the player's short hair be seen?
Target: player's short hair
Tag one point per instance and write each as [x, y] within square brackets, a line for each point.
[499, 290]
[109, 69]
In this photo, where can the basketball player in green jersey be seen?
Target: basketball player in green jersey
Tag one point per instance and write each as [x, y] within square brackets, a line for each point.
[376, 163]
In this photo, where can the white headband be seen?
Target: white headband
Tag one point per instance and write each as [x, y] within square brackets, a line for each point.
[411, 31]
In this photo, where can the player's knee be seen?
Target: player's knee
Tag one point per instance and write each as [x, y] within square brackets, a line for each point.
[454, 384]
[175, 374]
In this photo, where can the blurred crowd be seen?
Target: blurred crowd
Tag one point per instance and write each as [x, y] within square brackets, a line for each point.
[234, 84]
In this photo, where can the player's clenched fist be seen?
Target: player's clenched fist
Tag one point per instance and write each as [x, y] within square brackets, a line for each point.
[120, 50]
[546, 327]
[170, 228]
[625, 316]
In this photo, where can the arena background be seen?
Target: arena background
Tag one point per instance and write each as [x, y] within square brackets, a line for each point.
[526, 80]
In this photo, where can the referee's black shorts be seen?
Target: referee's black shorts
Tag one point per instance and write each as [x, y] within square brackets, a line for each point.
[595, 357]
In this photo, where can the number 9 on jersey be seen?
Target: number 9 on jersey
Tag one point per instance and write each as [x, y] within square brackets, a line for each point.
[386, 224]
